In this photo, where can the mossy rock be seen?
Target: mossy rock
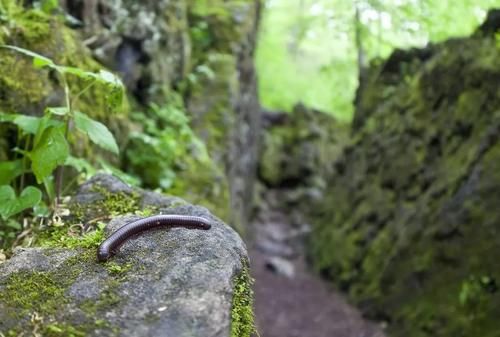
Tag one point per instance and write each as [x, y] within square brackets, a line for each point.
[176, 282]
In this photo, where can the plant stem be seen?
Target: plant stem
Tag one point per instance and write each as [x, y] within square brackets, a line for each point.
[18, 144]
[77, 96]
[26, 147]
[60, 170]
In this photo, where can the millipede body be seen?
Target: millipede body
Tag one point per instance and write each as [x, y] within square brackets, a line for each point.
[111, 245]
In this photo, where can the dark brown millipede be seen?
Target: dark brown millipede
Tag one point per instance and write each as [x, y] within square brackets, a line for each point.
[111, 245]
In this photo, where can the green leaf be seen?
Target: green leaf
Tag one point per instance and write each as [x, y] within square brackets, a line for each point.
[51, 151]
[4, 117]
[6, 193]
[30, 197]
[42, 126]
[77, 72]
[45, 122]
[11, 205]
[127, 178]
[114, 88]
[41, 210]
[10, 170]
[48, 183]
[97, 132]
[109, 78]
[28, 124]
[14, 225]
[80, 165]
[60, 111]
[39, 61]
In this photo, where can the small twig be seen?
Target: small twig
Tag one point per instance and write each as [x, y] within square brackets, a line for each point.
[21, 236]
[88, 223]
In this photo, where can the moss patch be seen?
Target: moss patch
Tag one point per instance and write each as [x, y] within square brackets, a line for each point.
[36, 300]
[117, 203]
[108, 204]
[242, 316]
[61, 237]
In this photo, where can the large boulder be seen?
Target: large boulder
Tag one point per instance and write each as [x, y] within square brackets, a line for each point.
[167, 282]
[410, 224]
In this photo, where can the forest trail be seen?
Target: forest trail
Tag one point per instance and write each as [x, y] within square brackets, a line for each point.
[290, 301]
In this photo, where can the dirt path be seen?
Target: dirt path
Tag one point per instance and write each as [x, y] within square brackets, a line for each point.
[292, 302]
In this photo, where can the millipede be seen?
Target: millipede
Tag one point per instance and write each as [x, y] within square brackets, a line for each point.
[112, 244]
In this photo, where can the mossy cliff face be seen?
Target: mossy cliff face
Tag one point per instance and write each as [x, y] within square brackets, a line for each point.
[410, 227]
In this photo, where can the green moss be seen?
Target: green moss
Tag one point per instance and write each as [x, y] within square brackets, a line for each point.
[62, 330]
[59, 237]
[116, 203]
[33, 291]
[36, 300]
[242, 316]
[215, 26]
[108, 204]
[117, 269]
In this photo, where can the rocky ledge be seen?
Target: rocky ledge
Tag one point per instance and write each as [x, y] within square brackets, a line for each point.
[167, 282]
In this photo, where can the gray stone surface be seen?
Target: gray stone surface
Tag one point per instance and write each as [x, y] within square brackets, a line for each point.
[166, 282]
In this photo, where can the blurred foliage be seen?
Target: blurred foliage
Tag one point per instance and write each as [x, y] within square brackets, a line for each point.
[162, 142]
[307, 50]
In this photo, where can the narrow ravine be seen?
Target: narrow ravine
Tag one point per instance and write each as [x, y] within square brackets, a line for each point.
[291, 301]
